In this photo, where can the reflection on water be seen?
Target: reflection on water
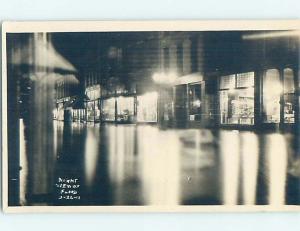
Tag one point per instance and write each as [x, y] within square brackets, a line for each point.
[143, 165]
[276, 168]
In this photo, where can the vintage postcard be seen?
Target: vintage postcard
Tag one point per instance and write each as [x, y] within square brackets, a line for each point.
[151, 116]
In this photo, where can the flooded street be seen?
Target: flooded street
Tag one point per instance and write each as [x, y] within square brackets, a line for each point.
[145, 165]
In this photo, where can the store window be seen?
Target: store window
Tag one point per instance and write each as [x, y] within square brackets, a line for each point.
[147, 107]
[97, 111]
[195, 101]
[90, 111]
[272, 89]
[125, 109]
[237, 99]
[289, 95]
[108, 109]
[78, 114]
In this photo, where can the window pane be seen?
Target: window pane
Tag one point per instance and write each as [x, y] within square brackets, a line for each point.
[289, 96]
[125, 108]
[90, 111]
[245, 79]
[109, 109]
[147, 107]
[227, 82]
[237, 106]
[289, 108]
[289, 81]
[272, 89]
[224, 107]
[195, 101]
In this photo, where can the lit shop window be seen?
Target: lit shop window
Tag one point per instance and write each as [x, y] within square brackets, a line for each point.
[78, 114]
[237, 99]
[195, 101]
[147, 107]
[109, 109]
[272, 90]
[289, 96]
[97, 111]
[90, 111]
[125, 108]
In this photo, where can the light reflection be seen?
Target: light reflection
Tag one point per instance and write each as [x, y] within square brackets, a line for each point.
[249, 164]
[276, 168]
[161, 166]
[150, 166]
[23, 164]
[91, 155]
[230, 160]
[123, 170]
[198, 167]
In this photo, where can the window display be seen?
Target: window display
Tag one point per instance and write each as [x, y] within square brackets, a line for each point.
[195, 101]
[147, 107]
[272, 89]
[78, 114]
[237, 106]
[90, 111]
[108, 108]
[237, 102]
[125, 109]
[289, 96]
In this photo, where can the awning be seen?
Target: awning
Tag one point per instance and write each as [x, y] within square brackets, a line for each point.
[41, 54]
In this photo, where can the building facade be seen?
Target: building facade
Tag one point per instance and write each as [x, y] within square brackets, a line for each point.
[230, 79]
[224, 79]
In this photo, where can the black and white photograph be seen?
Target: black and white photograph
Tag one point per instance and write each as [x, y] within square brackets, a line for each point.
[151, 116]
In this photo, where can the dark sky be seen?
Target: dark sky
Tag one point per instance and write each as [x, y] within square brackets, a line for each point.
[85, 49]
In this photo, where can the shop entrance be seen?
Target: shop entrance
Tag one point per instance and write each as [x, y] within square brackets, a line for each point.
[181, 105]
[195, 92]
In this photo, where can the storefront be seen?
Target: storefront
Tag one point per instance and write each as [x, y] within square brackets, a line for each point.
[254, 99]
[92, 104]
[108, 109]
[78, 115]
[264, 98]
[125, 109]
[92, 111]
[279, 100]
[60, 111]
[189, 100]
[236, 92]
[130, 108]
[147, 107]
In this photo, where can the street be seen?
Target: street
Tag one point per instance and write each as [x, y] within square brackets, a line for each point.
[145, 165]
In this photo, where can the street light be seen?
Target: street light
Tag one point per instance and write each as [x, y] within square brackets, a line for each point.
[164, 78]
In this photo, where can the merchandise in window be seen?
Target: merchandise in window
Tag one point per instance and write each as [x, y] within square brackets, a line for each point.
[289, 96]
[195, 101]
[125, 109]
[237, 99]
[108, 109]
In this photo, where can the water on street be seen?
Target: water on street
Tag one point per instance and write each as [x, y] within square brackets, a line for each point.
[145, 165]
